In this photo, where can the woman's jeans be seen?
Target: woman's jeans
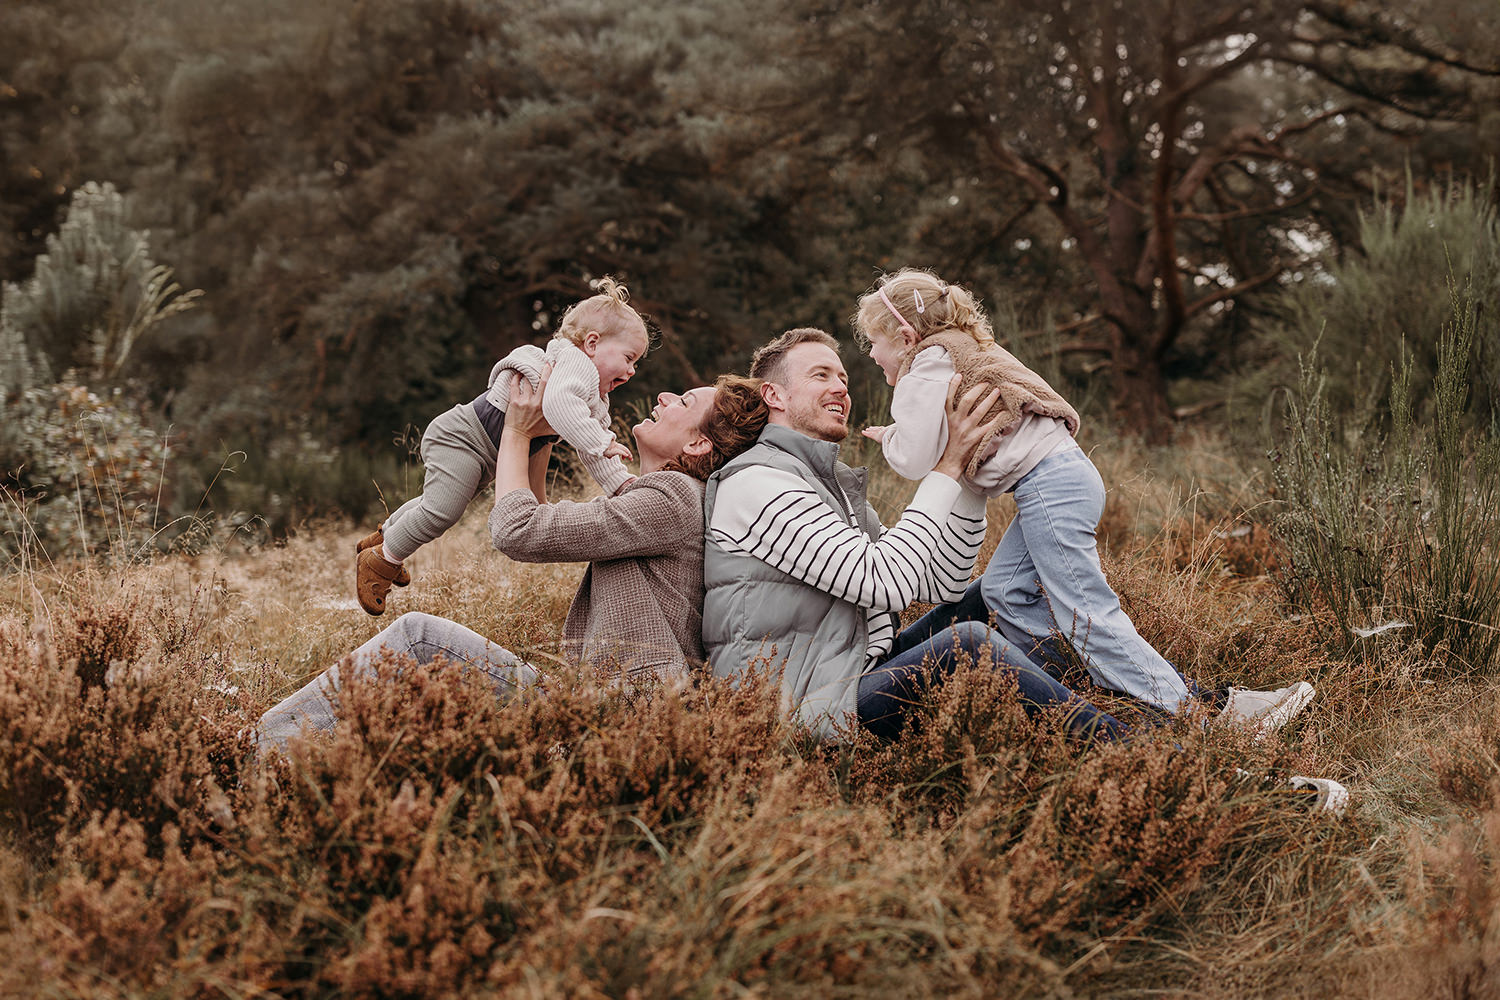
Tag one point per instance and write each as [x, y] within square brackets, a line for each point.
[889, 690]
[420, 636]
[1045, 579]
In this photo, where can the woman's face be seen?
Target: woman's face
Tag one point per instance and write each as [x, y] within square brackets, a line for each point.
[674, 423]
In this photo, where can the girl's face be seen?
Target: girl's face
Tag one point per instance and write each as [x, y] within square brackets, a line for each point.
[886, 351]
[615, 355]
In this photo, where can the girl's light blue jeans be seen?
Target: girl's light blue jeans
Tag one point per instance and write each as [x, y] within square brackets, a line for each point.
[420, 636]
[1045, 579]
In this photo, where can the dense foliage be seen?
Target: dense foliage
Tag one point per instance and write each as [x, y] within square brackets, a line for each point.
[378, 199]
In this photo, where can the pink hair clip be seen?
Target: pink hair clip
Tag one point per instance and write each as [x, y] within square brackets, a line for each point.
[895, 312]
[916, 297]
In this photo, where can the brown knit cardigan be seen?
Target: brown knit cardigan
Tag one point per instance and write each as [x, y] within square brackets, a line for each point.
[1022, 390]
[639, 607]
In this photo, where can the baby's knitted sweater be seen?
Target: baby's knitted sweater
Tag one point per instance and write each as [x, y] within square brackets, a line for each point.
[572, 404]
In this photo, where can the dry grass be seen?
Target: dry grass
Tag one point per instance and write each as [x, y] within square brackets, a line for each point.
[664, 845]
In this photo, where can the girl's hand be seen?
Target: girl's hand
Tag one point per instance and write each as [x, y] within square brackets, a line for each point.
[875, 432]
[523, 415]
[968, 427]
[617, 450]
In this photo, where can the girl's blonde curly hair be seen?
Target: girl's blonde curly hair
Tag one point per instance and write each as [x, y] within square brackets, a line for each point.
[607, 313]
[917, 299]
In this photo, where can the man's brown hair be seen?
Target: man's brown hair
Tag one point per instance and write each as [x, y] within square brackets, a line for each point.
[767, 363]
[734, 421]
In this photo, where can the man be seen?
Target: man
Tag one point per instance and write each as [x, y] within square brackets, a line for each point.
[802, 577]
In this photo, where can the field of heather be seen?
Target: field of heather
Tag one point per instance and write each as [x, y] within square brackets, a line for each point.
[688, 845]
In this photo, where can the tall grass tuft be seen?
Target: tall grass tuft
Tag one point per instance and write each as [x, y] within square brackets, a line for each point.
[1400, 529]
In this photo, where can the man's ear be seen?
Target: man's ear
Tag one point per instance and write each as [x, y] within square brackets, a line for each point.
[590, 342]
[699, 445]
[773, 396]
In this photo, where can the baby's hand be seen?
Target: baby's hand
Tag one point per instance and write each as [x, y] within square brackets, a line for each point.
[875, 432]
[617, 450]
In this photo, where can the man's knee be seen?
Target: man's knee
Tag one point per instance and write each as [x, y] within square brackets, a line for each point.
[972, 637]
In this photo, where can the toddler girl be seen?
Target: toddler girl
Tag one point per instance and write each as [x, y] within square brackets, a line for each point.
[1045, 578]
[595, 351]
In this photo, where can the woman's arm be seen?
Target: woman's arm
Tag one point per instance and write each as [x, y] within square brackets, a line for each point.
[538, 471]
[659, 517]
[515, 467]
[661, 514]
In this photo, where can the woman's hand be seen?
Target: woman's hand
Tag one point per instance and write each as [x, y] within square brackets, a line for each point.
[968, 427]
[523, 414]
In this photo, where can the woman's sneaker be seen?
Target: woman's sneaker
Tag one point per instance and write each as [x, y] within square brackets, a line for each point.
[1266, 711]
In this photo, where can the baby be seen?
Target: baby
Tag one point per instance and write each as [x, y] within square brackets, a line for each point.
[594, 351]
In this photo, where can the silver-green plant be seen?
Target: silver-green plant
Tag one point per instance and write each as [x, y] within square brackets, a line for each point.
[80, 466]
[94, 293]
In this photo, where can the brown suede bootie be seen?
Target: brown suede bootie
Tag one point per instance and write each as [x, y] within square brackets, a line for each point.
[373, 539]
[373, 580]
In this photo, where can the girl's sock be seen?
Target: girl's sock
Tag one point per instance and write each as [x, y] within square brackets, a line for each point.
[393, 562]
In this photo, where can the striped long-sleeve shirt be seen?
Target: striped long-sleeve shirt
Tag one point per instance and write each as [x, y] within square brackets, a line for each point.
[927, 556]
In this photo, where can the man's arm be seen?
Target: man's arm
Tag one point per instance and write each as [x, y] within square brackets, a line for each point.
[951, 568]
[776, 518]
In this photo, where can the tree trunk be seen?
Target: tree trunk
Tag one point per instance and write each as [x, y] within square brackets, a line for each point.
[1139, 387]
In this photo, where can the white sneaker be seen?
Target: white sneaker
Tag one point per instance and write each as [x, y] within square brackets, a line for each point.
[1266, 711]
[1332, 797]
[1319, 794]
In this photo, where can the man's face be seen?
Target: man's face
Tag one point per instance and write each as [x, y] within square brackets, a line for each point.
[812, 393]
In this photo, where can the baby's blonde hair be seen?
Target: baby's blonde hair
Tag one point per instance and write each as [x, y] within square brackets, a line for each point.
[608, 314]
[925, 303]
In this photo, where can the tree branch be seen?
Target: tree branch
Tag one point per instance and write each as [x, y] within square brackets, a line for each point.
[1234, 291]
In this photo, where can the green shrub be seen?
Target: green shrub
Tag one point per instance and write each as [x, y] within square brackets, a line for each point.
[80, 472]
[1379, 309]
[1401, 525]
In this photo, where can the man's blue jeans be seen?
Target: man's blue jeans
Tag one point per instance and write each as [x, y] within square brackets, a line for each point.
[927, 652]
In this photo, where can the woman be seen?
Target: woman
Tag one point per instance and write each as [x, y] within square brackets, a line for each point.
[638, 610]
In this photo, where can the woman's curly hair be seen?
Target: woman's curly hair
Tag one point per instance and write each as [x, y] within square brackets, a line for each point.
[733, 423]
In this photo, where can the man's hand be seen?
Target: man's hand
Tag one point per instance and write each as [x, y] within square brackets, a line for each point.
[523, 415]
[968, 427]
[875, 432]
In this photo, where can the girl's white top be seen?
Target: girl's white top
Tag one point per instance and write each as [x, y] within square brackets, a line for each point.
[918, 432]
[572, 404]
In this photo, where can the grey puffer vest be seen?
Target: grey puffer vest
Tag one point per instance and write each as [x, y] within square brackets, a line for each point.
[757, 617]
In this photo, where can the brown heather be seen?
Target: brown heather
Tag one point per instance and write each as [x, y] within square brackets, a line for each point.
[595, 844]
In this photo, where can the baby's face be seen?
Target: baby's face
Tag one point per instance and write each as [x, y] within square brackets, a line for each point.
[615, 355]
[886, 352]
